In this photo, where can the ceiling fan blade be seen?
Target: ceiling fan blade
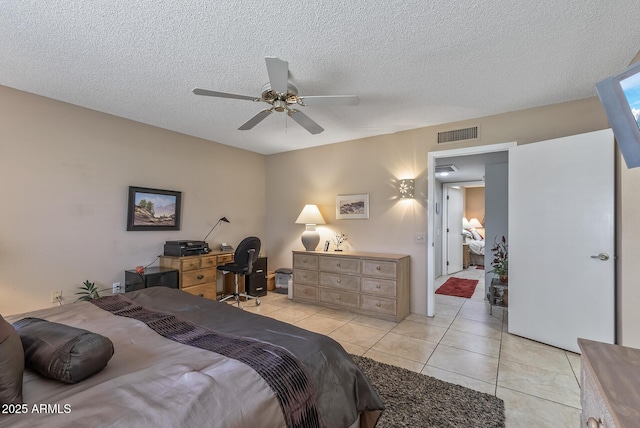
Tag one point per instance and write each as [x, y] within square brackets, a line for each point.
[305, 121]
[255, 120]
[278, 71]
[336, 100]
[209, 93]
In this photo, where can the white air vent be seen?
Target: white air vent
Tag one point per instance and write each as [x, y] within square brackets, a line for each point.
[458, 135]
[445, 168]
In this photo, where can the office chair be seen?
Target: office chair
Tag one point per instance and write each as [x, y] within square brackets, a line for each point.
[246, 254]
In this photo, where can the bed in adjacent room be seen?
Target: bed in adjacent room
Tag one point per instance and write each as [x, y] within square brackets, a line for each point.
[476, 247]
[180, 360]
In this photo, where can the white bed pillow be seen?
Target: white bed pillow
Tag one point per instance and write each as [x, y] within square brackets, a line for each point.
[476, 235]
[11, 364]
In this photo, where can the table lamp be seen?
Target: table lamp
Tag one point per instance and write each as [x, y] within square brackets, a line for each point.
[310, 216]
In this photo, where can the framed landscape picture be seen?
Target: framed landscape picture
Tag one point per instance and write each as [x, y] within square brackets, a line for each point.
[352, 207]
[153, 209]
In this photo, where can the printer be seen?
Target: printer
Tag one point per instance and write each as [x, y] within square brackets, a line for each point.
[185, 248]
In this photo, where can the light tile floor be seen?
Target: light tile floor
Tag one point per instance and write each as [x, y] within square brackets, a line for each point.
[461, 344]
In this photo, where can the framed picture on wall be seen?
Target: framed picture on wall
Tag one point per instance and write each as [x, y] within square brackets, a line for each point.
[153, 209]
[352, 207]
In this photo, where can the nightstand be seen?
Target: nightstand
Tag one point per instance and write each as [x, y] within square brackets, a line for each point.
[465, 256]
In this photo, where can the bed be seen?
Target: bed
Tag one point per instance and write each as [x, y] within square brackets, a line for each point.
[156, 378]
[476, 247]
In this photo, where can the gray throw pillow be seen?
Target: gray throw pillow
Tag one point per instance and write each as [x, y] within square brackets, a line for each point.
[62, 352]
[11, 364]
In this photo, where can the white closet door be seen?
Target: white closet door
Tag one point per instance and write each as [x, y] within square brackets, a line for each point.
[561, 240]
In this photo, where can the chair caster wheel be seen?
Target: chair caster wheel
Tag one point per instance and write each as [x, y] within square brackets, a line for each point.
[257, 302]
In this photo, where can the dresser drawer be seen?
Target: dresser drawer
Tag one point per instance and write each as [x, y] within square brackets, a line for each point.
[199, 276]
[208, 262]
[382, 287]
[340, 265]
[301, 291]
[203, 290]
[378, 304]
[301, 276]
[342, 282]
[305, 261]
[190, 264]
[592, 402]
[341, 298]
[225, 258]
[379, 268]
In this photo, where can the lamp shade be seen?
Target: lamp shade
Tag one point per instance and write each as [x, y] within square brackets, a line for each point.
[310, 215]
[465, 223]
[474, 222]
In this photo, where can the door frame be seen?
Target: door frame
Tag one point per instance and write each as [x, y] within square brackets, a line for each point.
[431, 202]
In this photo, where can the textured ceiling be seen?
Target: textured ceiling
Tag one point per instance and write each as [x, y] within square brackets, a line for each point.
[413, 63]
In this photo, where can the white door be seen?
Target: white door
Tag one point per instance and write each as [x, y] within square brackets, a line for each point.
[453, 198]
[561, 240]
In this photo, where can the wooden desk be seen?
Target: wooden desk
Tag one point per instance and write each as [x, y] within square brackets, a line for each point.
[198, 273]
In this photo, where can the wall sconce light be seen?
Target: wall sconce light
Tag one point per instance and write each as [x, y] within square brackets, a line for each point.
[405, 188]
[310, 216]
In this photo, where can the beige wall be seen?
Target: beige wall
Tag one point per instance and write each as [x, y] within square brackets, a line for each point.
[65, 173]
[474, 203]
[372, 165]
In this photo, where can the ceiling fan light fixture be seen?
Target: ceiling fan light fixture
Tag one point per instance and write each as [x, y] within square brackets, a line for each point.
[279, 105]
[280, 94]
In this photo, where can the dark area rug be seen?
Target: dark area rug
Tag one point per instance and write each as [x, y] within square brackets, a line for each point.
[415, 400]
[459, 287]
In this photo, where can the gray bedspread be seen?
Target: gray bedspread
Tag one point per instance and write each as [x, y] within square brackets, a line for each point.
[152, 381]
[342, 390]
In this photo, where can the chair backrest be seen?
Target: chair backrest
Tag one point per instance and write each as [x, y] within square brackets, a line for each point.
[247, 253]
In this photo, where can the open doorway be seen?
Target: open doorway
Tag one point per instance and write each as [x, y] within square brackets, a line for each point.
[463, 215]
[435, 205]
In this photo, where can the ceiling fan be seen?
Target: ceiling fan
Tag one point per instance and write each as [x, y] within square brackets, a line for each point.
[282, 95]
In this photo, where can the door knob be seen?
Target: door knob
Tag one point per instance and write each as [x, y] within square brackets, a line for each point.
[602, 256]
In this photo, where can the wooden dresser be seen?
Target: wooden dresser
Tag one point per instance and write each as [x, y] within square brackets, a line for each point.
[610, 385]
[197, 274]
[374, 284]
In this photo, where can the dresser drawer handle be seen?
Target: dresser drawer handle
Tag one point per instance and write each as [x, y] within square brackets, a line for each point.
[304, 276]
[594, 423]
[377, 285]
[339, 298]
[338, 264]
[377, 267]
[339, 281]
[378, 304]
[200, 276]
[304, 292]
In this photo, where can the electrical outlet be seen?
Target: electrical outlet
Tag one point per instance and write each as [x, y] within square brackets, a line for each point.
[56, 296]
[116, 288]
[419, 238]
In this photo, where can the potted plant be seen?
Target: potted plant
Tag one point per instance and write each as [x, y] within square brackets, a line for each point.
[500, 261]
[339, 240]
[88, 291]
